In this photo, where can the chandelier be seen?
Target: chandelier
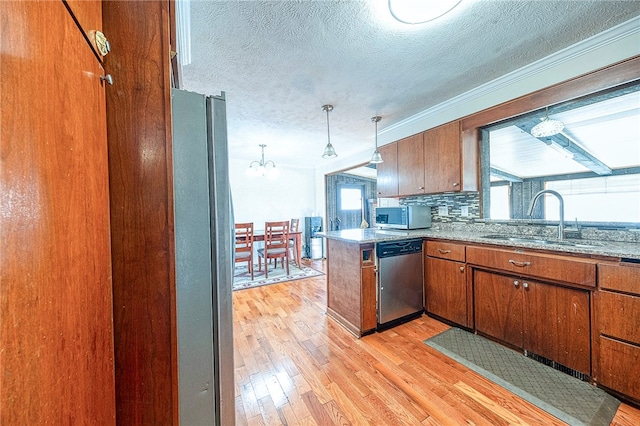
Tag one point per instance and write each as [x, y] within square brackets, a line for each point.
[262, 168]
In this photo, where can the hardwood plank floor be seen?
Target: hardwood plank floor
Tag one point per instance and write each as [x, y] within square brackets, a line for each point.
[296, 366]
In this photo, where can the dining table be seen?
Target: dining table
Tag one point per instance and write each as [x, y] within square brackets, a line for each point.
[296, 237]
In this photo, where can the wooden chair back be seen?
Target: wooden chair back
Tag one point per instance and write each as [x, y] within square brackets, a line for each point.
[244, 244]
[276, 236]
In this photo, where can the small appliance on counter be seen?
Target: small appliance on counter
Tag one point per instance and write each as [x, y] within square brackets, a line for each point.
[403, 217]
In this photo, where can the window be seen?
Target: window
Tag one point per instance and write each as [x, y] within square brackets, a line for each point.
[593, 161]
[350, 198]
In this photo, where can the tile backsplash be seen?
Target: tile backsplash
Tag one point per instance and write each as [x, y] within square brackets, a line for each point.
[461, 211]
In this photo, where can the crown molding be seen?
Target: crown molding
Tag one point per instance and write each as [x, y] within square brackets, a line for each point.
[437, 114]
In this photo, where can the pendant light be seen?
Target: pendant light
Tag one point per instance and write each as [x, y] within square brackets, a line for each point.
[329, 150]
[376, 158]
[262, 168]
[547, 127]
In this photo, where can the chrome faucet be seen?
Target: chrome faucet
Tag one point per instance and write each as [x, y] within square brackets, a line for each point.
[552, 192]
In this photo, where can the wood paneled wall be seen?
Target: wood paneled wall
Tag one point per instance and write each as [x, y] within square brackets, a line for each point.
[139, 136]
[56, 341]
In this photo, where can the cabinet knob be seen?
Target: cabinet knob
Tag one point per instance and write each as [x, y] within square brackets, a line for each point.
[107, 78]
[456, 184]
[462, 269]
[525, 285]
[516, 283]
[421, 188]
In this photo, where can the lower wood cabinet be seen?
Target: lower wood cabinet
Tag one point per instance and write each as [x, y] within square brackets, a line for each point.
[544, 319]
[616, 344]
[351, 285]
[446, 287]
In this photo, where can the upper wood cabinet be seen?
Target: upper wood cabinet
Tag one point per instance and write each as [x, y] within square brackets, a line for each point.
[450, 159]
[438, 160]
[411, 170]
[388, 171]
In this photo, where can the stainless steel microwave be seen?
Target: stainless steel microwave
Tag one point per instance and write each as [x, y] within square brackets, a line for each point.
[403, 217]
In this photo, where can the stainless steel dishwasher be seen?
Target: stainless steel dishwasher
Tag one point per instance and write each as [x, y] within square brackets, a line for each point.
[400, 276]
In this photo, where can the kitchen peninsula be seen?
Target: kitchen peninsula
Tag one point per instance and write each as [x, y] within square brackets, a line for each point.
[593, 288]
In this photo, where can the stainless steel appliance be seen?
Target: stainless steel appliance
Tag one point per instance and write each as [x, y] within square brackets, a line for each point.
[313, 224]
[403, 217]
[400, 278]
[204, 249]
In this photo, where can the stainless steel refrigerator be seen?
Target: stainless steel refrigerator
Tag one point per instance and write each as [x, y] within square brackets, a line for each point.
[204, 262]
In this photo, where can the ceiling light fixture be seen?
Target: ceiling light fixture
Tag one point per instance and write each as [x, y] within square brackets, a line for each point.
[262, 168]
[376, 158]
[329, 150]
[547, 127]
[420, 11]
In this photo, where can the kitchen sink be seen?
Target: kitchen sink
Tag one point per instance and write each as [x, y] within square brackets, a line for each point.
[537, 241]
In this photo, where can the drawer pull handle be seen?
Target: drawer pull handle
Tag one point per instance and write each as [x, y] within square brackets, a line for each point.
[520, 264]
[444, 251]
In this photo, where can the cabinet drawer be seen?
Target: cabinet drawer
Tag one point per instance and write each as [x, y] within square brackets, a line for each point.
[446, 250]
[619, 277]
[539, 265]
[618, 316]
[619, 367]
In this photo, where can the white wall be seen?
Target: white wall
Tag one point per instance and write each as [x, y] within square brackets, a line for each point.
[259, 199]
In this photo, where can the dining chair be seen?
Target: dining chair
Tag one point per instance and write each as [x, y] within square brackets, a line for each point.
[244, 244]
[294, 227]
[276, 246]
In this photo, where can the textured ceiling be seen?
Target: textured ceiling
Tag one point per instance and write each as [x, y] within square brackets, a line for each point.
[280, 61]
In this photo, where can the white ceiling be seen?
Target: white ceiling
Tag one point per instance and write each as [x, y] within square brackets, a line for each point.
[280, 61]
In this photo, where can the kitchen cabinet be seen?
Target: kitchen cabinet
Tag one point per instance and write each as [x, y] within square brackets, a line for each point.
[514, 303]
[351, 285]
[450, 160]
[438, 160]
[617, 329]
[447, 290]
[411, 168]
[56, 306]
[387, 171]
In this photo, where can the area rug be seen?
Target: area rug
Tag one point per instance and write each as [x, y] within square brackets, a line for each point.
[242, 277]
[567, 398]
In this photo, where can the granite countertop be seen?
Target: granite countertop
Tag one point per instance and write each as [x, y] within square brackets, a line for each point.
[625, 250]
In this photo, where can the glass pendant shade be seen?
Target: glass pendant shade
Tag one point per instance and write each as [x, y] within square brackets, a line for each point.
[376, 158]
[547, 127]
[329, 150]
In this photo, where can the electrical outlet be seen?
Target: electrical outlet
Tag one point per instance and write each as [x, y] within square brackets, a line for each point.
[464, 211]
[443, 211]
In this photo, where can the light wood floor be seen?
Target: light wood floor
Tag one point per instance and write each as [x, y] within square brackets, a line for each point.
[296, 366]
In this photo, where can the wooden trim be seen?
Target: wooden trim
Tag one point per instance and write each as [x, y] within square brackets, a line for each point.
[604, 78]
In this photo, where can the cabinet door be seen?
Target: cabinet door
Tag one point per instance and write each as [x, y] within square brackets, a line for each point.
[557, 323]
[56, 306]
[498, 307]
[411, 165]
[387, 181]
[442, 158]
[446, 290]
